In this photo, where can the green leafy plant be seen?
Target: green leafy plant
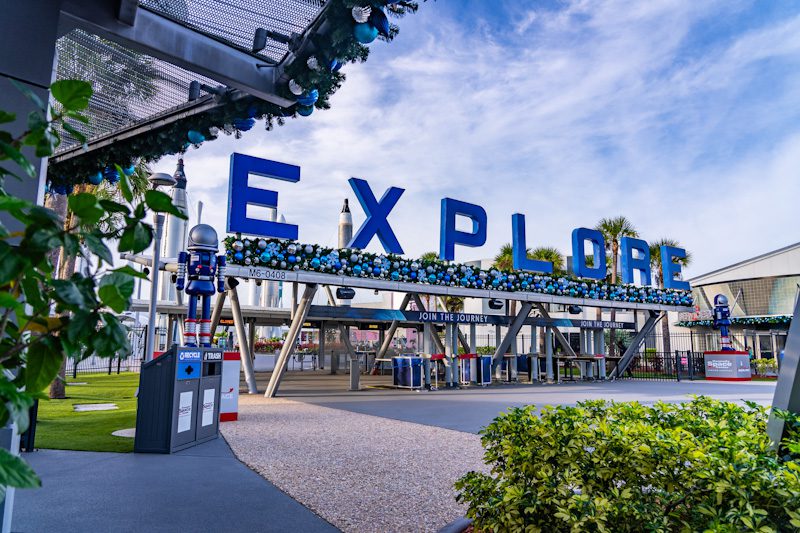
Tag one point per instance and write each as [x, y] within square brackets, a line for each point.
[704, 465]
[43, 318]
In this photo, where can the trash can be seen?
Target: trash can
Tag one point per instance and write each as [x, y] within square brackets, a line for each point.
[407, 371]
[178, 401]
[483, 375]
[468, 363]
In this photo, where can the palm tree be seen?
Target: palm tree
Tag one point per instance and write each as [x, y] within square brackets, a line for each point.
[551, 254]
[504, 260]
[430, 257]
[613, 230]
[658, 273]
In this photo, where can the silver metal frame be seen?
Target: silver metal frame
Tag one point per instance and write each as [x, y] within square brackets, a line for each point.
[787, 390]
[630, 353]
[288, 345]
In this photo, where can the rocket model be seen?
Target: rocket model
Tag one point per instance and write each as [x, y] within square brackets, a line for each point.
[201, 265]
[174, 230]
[345, 235]
[345, 226]
[722, 320]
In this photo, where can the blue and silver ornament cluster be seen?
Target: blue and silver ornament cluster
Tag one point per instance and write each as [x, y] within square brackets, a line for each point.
[287, 255]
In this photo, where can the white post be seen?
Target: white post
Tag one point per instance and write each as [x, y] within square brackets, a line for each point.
[158, 220]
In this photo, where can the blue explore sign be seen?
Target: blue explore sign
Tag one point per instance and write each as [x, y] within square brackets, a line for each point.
[635, 253]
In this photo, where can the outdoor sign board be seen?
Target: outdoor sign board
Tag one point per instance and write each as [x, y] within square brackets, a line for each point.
[727, 366]
[635, 253]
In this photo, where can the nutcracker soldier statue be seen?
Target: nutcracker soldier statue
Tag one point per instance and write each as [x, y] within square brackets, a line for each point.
[722, 320]
[201, 265]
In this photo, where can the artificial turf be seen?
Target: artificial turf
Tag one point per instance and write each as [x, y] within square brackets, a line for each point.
[60, 427]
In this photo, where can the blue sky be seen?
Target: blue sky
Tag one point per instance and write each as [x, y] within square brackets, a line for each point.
[682, 116]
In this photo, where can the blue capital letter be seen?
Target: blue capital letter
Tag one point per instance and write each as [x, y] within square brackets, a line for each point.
[240, 195]
[579, 237]
[670, 269]
[449, 236]
[376, 212]
[630, 263]
[520, 248]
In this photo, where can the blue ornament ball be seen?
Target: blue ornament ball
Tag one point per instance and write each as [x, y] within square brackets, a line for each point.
[244, 124]
[129, 170]
[111, 175]
[365, 32]
[305, 110]
[335, 65]
[96, 178]
[265, 257]
[238, 256]
[308, 98]
[195, 137]
[315, 263]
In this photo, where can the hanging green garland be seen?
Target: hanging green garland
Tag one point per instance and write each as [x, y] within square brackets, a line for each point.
[315, 76]
[740, 321]
[293, 256]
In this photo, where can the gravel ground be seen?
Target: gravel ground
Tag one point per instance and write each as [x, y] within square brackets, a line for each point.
[362, 473]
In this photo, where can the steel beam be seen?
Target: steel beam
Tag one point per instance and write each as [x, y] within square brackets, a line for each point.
[462, 339]
[244, 344]
[787, 390]
[291, 338]
[216, 314]
[632, 350]
[436, 340]
[387, 340]
[160, 37]
[559, 336]
[513, 330]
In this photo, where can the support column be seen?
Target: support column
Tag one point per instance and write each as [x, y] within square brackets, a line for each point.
[321, 351]
[288, 345]
[600, 349]
[473, 338]
[387, 340]
[244, 345]
[511, 337]
[630, 353]
[355, 365]
[548, 350]
[787, 390]
[216, 314]
[251, 338]
[555, 331]
[437, 342]
[534, 351]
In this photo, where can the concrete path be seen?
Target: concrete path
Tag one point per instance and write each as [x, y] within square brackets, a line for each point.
[204, 488]
[472, 408]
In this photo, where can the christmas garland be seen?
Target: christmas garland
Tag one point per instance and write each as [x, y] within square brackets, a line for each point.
[740, 321]
[287, 255]
[313, 78]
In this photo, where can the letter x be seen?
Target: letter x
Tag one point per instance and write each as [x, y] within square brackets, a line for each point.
[377, 213]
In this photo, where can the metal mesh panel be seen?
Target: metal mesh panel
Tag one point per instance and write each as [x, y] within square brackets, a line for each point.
[128, 86]
[235, 21]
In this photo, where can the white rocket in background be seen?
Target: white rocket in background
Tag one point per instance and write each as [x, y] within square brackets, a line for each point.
[174, 231]
[345, 226]
[345, 233]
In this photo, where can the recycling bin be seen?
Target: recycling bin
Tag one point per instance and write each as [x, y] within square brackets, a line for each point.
[178, 400]
[407, 371]
[483, 374]
[468, 364]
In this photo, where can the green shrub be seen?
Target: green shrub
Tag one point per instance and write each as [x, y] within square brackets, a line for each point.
[603, 466]
[766, 367]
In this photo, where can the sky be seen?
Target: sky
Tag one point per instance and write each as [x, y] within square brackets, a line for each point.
[683, 116]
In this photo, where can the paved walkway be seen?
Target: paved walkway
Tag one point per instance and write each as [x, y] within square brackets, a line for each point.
[204, 488]
[472, 408]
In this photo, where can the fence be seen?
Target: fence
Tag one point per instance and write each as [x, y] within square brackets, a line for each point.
[109, 365]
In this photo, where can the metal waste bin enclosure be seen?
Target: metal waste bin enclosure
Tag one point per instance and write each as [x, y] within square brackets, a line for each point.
[178, 401]
[407, 371]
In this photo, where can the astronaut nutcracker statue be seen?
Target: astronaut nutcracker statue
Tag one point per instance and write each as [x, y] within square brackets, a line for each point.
[722, 320]
[201, 265]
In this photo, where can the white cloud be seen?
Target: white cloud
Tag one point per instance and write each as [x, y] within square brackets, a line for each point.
[594, 110]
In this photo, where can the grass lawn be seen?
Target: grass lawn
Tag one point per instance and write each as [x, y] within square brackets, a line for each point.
[60, 427]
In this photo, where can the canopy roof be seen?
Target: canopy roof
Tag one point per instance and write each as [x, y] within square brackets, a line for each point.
[142, 56]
